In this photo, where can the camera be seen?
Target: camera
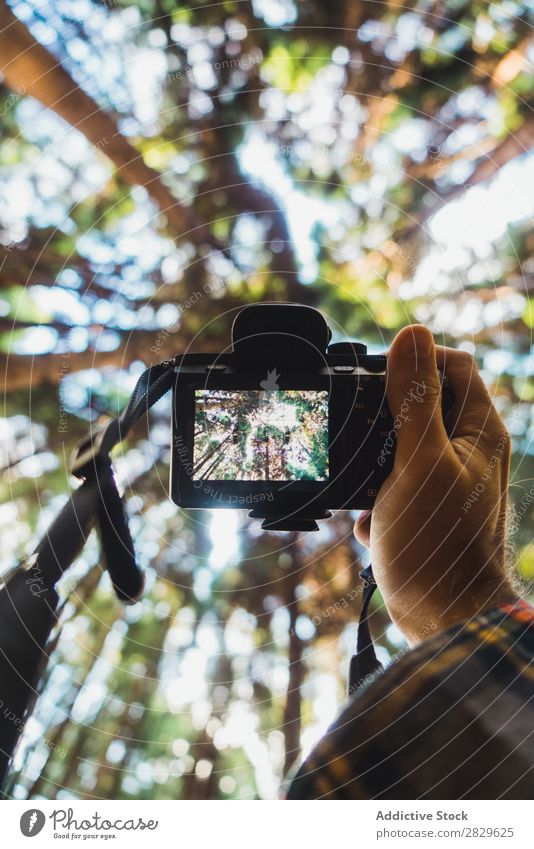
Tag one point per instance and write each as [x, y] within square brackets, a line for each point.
[284, 423]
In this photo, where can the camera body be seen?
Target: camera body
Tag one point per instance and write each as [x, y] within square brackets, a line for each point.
[285, 423]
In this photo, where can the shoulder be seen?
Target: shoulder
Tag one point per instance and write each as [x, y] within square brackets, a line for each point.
[427, 709]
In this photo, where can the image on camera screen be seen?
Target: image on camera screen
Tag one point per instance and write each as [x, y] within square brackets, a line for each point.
[252, 435]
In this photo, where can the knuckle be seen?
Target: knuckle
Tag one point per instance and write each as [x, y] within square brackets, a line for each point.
[463, 365]
[466, 360]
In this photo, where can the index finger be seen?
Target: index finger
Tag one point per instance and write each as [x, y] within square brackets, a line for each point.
[472, 416]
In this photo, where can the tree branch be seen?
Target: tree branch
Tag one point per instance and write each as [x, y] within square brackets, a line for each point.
[29, 67]
[515, 144]
[20, 371]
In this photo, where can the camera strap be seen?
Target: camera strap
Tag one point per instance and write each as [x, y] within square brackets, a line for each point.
[98, 501]
[28, 597]
[364, 663]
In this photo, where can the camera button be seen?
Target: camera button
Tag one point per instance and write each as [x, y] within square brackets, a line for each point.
[343, 369]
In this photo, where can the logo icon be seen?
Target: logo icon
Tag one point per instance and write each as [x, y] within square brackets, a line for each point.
[32, 822]
[270, 385]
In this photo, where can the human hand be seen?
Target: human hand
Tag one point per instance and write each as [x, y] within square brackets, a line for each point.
[437, 530]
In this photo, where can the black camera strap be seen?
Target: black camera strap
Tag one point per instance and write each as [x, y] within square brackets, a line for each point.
[364, 663]
[28, 596]
[98, 501]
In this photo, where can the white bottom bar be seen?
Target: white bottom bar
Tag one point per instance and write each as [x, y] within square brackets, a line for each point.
[268, 825]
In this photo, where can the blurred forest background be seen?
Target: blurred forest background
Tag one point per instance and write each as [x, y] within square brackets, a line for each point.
[162, 165]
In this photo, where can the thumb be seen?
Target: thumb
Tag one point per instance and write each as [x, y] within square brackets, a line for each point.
[414, 393]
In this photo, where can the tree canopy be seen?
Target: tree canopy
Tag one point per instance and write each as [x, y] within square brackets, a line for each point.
[161, 166]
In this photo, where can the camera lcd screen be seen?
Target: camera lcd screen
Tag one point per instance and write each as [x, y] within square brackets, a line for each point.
[256, 435]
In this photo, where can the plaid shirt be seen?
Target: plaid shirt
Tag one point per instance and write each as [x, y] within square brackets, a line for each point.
[452, 719]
